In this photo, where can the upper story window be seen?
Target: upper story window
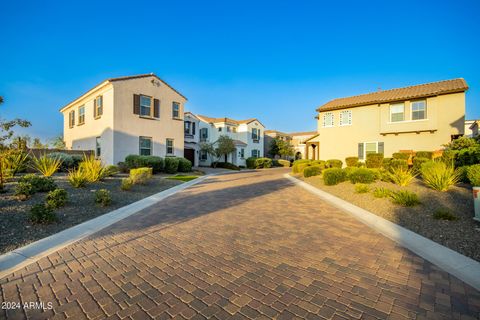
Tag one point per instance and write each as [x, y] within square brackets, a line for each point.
[203, 134]
[145, 106]
[189, 127]
[170, 146]
[228, 129]
[98, 107]
[255, 134]
[234, 129]
[71, 118]
[345, 117]
[175, 110]
[219, 129]
[327, 120]
[145, 146]
[419, 110]
[81, 115]
[397, 112]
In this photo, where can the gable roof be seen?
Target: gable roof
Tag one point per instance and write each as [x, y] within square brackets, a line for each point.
[384, 96]
[110, 80]
[305, 133]
[225, 119]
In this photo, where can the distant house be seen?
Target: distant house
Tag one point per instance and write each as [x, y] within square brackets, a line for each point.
[471, 128]
[271, 135]
[192, 138]
[420, 117]
[247, 135]
[296, 139]
[139, 114]
[474, 128]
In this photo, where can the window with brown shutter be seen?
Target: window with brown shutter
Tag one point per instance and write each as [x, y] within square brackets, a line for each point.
[156, 108]
[94, 108]
[98, 107]
[136, 104]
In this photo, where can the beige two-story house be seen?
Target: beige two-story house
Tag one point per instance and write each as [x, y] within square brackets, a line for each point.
[421, 117]
[139, 114]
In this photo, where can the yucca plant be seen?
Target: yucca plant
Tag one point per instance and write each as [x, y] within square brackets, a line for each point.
[77, 178]
[401, 176]
[92, 168]
[439, 176]
[46, 165]
[15, 161]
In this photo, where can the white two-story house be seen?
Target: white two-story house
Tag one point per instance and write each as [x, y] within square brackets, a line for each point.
[139, 114]
[191, 135]
[247, 135]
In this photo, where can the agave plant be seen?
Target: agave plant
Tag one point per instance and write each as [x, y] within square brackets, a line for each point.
[401, 176]
[46, 165]
[439, 176]
[92, 168]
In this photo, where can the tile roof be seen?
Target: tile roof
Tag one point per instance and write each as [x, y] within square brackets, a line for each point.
[225, 119]
[384, 96]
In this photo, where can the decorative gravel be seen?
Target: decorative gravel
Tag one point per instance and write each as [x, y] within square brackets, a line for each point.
[16, 230]
[462, 235]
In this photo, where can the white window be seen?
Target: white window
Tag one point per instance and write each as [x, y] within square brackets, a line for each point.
[71, 118]
[203, 134]
[419, 110]
[345, 117]
[170, 146]
[397, 112]
[242, 153]
[187, 128]
[145, 106]
[327, 120]
[365, 148]
[98, 146]
[145, 146]
[98, 106]
[256, 134]
[203, 155]
[81, 115]
[255, 153]
[175, 110]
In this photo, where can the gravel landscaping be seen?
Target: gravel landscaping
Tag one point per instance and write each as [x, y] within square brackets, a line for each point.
[16, 230]
[462, 235]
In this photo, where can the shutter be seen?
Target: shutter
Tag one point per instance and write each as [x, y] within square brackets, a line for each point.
[156, 108]
[136, 104]
[360, 151]
[381, 148]
[73, 118]
[193, 127]
[94, 108]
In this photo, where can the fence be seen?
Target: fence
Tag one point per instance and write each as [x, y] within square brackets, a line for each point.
[41, 152]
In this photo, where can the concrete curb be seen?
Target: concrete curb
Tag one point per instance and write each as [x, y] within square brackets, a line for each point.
[462, 267]
[21, 257]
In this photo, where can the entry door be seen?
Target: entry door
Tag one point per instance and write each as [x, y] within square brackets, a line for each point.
[190, 155]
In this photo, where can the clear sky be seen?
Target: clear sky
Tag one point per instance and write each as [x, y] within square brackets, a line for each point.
[274, 60]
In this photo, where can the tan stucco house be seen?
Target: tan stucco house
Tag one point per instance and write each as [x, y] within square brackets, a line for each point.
[139, 114]
[420, 118]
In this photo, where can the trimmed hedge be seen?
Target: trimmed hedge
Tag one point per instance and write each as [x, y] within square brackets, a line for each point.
[418, 161]
[284, 163]
[333, 176]
[334, 163]
[39, 184]
[184, 165]
[259, 163]
[351, 161]
[362, 175]
[374, 160]
[299, 167]
[424, 154]
[133, 161]
[171, 164]
[386, 162]
[251, 162]
[398, 163]
[312, 171]
[401, 155]
[473, 174]
[224, 165]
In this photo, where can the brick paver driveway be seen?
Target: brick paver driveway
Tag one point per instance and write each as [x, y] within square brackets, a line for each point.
[245, 245]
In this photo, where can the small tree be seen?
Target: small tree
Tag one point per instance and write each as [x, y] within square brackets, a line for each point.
[224, 146]
[6, 127]
[285, 149]
[273, 148]
[37, 144]
[58, 143]
[209, 149]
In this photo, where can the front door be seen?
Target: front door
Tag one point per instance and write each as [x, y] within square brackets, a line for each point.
[190, 155]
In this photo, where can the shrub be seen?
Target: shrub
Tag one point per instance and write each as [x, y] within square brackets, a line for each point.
[92, 168]
[156, 163]
[263, 163]
[401, 176]
[111, 170]
[386, 162]
[57, 198]
[301, 161]
[127, 184]
[46, 165]
[251, 162]
[463, 174]
[39, 184]
[398, 163]
[334, 163]
[473, 174]
[374, 160]
[103, 197]
[140, 175]
[77, 178]
[461, 143]
[468, 156]
[23, 191]
[171, 164]
[351, 161]
[42, 213]
[381, 192]
[361, 188]
[362, 175]
[444, 214]
[184, 165]
[349, 171]
[417, 163]
[439, 176]
[13, 163]
[333, 176]
[299, 167]
[284, 163]
[66, 159]
[404, 198]
[122, 166]
[424, 154]
[401, 155]
[225, 165]
[312, 171]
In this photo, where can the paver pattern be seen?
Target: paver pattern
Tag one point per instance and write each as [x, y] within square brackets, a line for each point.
[244, 246]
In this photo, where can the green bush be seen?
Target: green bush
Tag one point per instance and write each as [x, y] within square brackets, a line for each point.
[301, 161]
[462, 143]
[225, 165]
[140, 175]
[417, 163]
[111, 170]
[349, 170]
[158, 164]
[321, 163]
[334, 163]
[184, 165]
[92, 168]
[122, 166]
[65, 158]
[468, 156]
[473, 174]
[127, 184]
[57, 198]
[439, 176]
[386, 162]
[381, 192]
[171, 164]
[404, 198]
[284, 163]
[362, 175]
[251, 162]
[398, 163]
[23, 190]
[351, 161]
[401, 155]
[463, 174]
[312, 171]
[362, 188]
[77, 178]
[42, 213]
[401, 176]
[444, 214]
[103, 197]
[39, 184]
[299, 167]
[333, 176]
[260, 163]
[424, 154]
[374, 160]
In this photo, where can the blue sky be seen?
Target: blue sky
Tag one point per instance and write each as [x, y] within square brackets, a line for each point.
[275, 60]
